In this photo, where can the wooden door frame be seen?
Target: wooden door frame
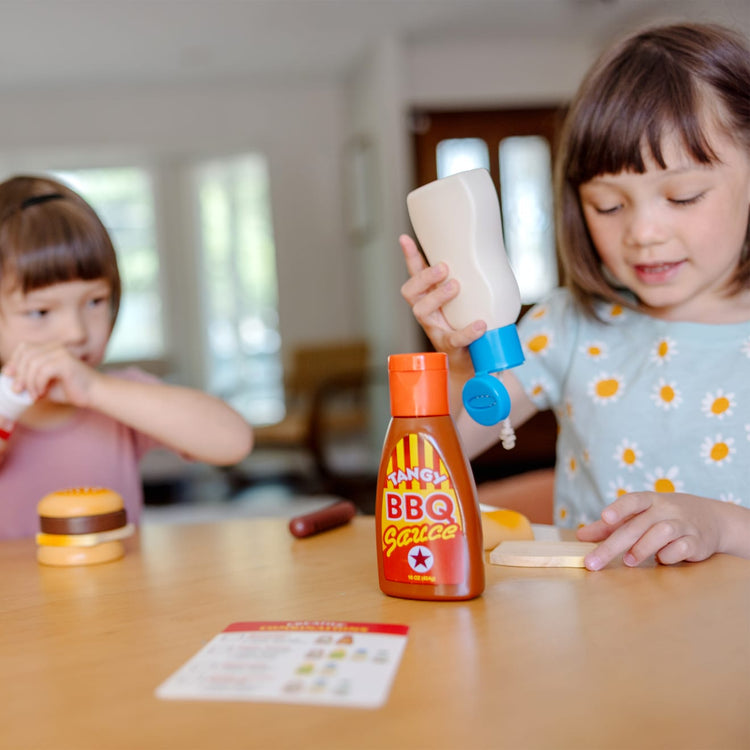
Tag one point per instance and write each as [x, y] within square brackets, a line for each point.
[432, 126]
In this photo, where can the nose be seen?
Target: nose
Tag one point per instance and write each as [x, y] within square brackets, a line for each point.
[73, 329]
[645, 226]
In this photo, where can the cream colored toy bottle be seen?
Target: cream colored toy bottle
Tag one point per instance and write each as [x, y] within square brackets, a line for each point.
[12, 404]
[457, 222]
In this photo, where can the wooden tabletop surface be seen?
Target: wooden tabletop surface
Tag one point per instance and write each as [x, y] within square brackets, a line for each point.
[655, 657]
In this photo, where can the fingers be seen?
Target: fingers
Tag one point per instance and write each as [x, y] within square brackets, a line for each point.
[655, 538]
[39, 368]
[673, 527]
[431, 283]
[684, 548]
[626, 506]
[464, 337]
[621, 525]
[593, 532]
[427, 290]
[414, 260]
[34, 367]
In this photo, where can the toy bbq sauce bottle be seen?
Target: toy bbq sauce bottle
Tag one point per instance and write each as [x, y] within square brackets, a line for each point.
[429, 532]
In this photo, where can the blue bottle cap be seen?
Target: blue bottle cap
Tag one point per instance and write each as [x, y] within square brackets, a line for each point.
[486, 400]
[496, 350]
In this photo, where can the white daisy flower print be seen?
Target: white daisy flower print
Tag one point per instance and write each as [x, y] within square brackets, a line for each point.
[538, 390]
[664, 481]
[539, 312]
[717, 450]
[562, 512]
[568, 409]
[666, 395]
[606, 388]
[628, 455]
[617, 487]
[539, 344]
[718, 404]
[730, 497]
[594, 350]
[571, 465]
[663, 351]
[616, 312]
[746, 348]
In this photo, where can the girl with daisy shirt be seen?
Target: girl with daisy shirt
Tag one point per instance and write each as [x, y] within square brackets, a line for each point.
[644, 354]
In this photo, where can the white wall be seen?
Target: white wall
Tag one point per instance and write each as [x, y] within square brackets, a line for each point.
[514, 72]
[377, 114]
[299, 128]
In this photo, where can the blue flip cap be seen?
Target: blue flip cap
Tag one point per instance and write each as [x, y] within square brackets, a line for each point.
[485, 398]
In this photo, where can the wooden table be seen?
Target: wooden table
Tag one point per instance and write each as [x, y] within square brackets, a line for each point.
[546, 658]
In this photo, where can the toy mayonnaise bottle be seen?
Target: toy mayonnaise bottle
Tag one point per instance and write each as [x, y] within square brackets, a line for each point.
[429, 532]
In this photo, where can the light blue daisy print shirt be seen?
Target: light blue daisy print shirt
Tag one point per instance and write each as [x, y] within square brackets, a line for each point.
[641, 404]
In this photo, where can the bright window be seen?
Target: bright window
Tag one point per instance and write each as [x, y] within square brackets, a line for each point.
[526, 203]
[240, 290]
[123, 198]
[527, 206]
[460, 155]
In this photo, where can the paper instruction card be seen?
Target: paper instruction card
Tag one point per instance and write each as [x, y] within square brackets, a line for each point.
[315, 662]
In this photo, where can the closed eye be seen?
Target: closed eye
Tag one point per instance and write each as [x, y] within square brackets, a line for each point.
[687, 201]
[607, 211]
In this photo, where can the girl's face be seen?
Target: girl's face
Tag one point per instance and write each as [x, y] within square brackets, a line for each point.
[674, 236]
[76, 314]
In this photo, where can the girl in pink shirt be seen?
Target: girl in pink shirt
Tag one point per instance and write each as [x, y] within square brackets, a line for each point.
[59, 296]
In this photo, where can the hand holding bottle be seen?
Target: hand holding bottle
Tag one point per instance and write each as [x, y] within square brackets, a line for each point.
[427, 290]
[457, 220]
[12, 404]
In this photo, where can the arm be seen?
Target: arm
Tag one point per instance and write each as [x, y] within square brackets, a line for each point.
[188, 421]
[427, 291]
[672, 526]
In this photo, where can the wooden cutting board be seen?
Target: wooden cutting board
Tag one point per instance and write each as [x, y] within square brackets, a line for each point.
[541, 554]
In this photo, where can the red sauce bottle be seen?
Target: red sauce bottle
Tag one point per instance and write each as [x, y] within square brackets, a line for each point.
[429, 532]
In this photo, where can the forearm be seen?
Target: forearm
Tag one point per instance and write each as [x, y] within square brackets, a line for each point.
[189, 421]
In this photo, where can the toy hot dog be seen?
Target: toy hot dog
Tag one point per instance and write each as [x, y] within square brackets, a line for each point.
[321, 520]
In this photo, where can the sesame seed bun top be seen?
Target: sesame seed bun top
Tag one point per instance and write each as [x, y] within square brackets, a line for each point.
[79, 501]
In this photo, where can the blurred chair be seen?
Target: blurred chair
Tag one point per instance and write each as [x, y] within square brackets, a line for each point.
[312, 365]
[349, 416]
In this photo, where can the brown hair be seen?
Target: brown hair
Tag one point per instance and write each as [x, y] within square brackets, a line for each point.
[678, 78]
[49, 234]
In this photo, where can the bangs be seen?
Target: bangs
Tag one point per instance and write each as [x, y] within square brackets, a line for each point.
[64, 246]
[642, 98]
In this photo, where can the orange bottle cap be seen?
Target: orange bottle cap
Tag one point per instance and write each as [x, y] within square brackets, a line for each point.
[418, 384]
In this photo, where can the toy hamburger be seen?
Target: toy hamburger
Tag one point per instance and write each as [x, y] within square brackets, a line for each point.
[81, 526]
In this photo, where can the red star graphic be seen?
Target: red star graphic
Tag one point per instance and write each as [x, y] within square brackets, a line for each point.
[420, 559]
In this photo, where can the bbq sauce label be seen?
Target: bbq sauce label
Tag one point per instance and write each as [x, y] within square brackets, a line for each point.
[423, 535]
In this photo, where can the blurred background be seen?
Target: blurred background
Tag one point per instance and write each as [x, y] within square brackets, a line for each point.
[251, 159]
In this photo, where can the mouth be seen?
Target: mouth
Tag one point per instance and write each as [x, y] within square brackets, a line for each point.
[657, 273]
